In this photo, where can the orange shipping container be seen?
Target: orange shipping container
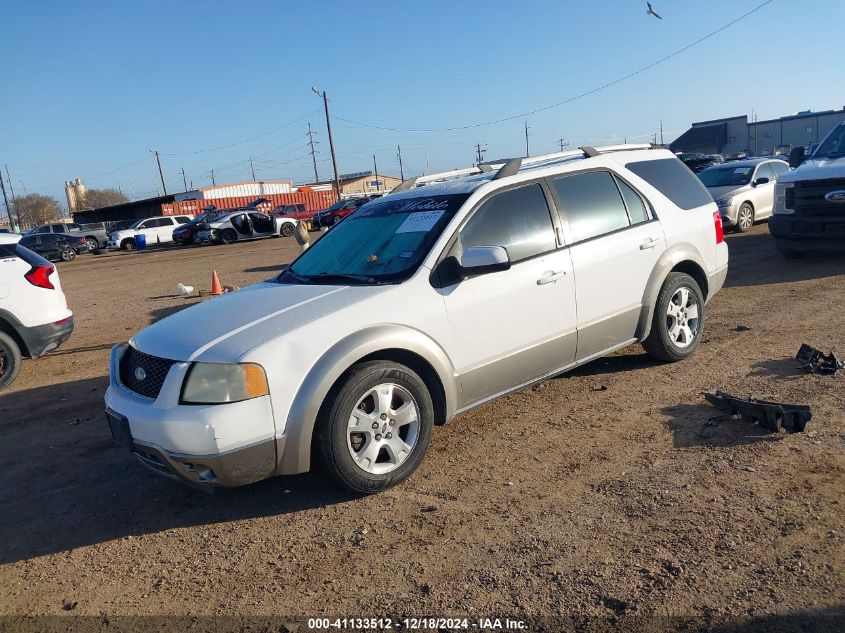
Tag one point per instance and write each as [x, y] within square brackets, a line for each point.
[313, 201]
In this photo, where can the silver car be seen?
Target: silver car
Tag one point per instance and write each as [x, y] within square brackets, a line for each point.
[743, 189]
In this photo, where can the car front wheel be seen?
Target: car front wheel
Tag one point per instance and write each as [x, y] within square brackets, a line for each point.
[375, 427]
[678, 322]
[744, 218]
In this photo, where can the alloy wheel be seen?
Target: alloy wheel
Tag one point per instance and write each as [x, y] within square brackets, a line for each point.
[745, 219]
[682, 317]
[383, 428]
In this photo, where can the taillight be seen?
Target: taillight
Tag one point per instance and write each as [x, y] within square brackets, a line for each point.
[720, 231]
[40, 276]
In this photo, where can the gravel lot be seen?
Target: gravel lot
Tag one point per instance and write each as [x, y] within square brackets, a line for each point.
[598, 494]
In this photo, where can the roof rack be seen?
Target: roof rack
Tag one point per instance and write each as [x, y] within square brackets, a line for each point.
[514, 165]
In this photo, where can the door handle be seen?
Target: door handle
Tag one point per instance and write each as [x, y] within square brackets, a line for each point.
[550, 276]
[648, 243]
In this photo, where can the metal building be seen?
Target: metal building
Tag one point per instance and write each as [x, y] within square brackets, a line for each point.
[737, 134]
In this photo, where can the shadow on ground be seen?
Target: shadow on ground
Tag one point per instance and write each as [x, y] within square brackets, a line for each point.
[781, 368]
[755, 262]
[63, 484]
[689, 426]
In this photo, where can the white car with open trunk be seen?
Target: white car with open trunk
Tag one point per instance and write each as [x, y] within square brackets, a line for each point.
[452, 291]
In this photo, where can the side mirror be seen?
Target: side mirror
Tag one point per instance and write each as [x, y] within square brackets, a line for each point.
[760, 181]
[796, 156]
[480, 260]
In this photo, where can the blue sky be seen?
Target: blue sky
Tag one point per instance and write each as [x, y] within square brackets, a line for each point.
[89, 88]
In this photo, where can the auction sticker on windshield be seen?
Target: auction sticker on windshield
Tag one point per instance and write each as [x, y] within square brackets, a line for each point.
[419, 222]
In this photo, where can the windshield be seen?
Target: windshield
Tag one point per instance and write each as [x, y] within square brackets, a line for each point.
[726, 176]
[135, 224]
[382, 241]
[834, 144]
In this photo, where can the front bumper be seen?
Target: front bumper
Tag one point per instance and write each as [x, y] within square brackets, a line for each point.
[728, 216]
[41, 339]
[218, 445]
[808, 234]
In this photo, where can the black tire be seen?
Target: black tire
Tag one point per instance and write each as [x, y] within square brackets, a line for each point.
[336, 219]
[286, 230]
[127, 245]
[196, 240]
[745, 213]
[659, 345]
[10, 360]
[333, 419]
[228, 236]
[93, 244]
[68, 255]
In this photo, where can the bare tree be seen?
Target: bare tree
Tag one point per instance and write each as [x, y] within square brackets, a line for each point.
[33, 209]
[96, 198]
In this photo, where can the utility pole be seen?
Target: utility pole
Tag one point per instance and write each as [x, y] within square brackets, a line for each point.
[184, 180]
[401, 171]
[212, 179]
[12, 191]
[160, 173]
[661, 132]
[313, 152]
[252, 169]
[331, 139]
[6, 202]
[563, 143]
[479, 154]
[526, 139]
[375, 170]
[24, 187]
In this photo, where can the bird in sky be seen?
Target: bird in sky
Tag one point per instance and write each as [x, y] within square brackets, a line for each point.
[651, 11]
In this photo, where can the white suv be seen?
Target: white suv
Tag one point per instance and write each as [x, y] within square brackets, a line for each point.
[452, 291]
[34, 318]
[156, 230]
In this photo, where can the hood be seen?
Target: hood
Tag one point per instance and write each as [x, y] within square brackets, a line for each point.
[816, 169]
[223, 329]
[727, 192]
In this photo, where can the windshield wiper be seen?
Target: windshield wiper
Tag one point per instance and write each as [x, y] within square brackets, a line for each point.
[298, 278]
[343, 276]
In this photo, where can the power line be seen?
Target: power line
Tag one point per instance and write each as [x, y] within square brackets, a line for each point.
[570, 99]
[246, 140]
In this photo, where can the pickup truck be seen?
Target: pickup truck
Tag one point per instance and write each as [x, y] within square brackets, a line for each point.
[809, 205]
[96, 234]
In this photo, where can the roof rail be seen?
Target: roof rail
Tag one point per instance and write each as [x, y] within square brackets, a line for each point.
[513, 166]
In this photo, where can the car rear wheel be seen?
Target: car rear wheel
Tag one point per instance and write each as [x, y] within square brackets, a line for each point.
[375, 427]
[287, 229]
[68, 255]
[678, 323]
[93, 244]
[744, 218]
[10, 360]
[227, 236]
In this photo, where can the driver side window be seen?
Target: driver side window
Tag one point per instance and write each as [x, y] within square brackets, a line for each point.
[517, 219]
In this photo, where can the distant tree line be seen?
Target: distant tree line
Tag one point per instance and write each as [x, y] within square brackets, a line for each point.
[34, 209]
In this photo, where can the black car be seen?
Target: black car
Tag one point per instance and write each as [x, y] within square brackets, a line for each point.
[187, 233]
[55, 246]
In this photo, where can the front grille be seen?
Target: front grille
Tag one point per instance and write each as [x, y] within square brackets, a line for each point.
[809, 197]
[154, 371]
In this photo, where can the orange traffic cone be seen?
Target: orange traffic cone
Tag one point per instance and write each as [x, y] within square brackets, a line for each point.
[216, 288]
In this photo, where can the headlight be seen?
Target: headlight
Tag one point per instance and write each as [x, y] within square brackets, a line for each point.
[214, 383]
[781, 206]
[724, 202]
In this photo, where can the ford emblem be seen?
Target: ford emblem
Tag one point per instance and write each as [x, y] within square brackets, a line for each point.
[836, 196]
[140, 374]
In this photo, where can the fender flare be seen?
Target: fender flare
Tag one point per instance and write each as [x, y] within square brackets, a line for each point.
[676, 254]
[302, 415]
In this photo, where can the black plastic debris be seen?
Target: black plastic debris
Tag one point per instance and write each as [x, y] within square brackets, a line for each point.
[769, 415]
[817, 362]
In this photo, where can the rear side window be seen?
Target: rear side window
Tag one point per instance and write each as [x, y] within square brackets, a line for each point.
[517, 219]
[592, 204]
[674, 180]
[636, 207]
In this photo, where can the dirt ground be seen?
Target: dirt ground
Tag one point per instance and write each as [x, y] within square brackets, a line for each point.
[597, 497]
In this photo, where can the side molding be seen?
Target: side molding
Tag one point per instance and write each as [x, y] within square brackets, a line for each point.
[340, 357]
